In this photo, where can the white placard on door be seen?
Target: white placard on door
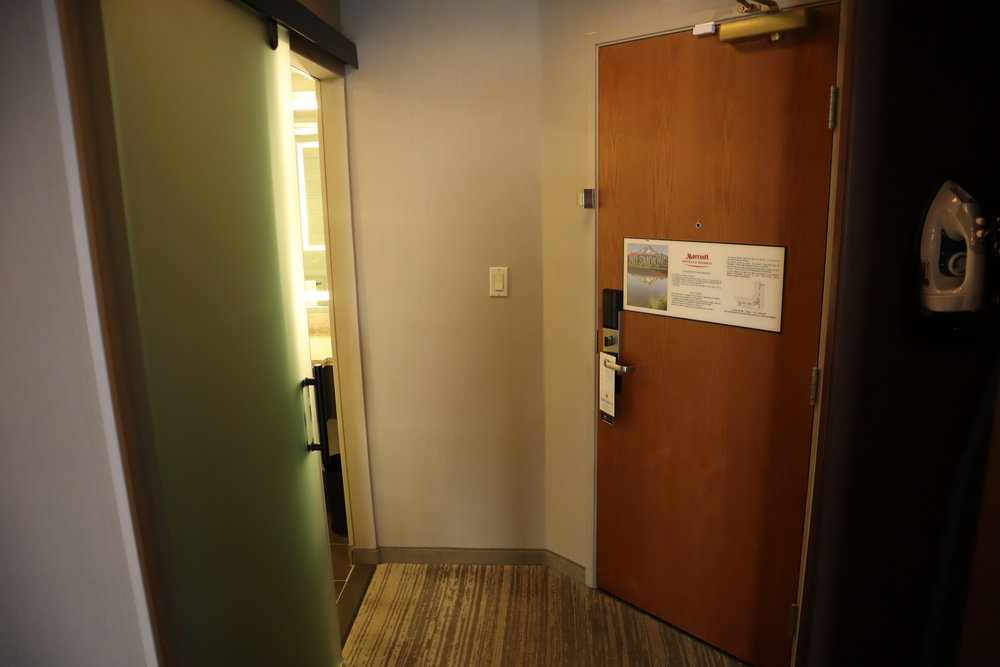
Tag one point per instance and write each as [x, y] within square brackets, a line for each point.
[723, 283]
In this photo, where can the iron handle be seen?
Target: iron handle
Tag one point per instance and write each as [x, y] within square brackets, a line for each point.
[319, 392]
[618, 368]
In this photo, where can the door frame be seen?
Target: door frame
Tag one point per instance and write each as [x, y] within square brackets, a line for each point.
[344, 321]
[840, 137]
[345, 335]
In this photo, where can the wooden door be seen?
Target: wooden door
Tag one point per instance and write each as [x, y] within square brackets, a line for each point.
[702, 479]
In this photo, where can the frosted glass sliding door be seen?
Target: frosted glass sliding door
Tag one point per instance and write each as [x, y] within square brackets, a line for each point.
[203, 135]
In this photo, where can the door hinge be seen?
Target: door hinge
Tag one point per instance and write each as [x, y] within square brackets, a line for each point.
[793, 621]
[831, 121]
[814, 386]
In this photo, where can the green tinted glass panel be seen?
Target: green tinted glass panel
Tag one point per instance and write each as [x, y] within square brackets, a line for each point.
[238, 504]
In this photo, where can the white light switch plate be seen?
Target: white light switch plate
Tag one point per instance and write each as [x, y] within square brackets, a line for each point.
[498, 281]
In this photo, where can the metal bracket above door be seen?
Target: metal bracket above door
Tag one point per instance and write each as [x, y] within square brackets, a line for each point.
[303, 22]
[772, 23]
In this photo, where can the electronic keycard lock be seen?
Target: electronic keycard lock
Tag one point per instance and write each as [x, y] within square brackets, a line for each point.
[610, 371]
[611, 314]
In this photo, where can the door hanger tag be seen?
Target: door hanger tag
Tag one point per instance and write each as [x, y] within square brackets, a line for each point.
[606, 387]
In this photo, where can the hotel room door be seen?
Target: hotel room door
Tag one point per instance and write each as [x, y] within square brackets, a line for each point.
[702, 478]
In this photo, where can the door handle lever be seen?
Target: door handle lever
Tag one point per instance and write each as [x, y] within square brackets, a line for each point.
[618, 368]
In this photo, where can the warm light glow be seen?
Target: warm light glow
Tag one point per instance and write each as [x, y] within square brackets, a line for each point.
[304, 101]
[317, 295]
[304, 196]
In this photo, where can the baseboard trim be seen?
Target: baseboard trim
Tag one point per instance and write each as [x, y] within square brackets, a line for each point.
[564, 566]
[433, 555]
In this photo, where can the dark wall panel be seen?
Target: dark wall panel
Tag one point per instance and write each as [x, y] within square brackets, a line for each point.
[911, 396]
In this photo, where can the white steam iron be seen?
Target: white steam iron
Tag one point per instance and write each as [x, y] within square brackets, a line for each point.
[952, 252]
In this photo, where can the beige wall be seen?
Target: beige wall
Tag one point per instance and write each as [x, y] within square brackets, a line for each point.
[444, 128]
[70, 588]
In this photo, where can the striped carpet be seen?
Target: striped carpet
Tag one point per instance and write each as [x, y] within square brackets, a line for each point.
[471, 615]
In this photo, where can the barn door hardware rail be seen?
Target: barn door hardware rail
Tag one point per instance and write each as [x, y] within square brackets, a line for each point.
[300, 21]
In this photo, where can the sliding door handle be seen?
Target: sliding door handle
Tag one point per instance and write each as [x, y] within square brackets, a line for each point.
[618, 368]
[319, 394]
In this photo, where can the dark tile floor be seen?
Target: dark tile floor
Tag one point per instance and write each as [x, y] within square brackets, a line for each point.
[341, 561]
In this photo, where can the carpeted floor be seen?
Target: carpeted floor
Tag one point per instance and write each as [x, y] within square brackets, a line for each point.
[524, 615]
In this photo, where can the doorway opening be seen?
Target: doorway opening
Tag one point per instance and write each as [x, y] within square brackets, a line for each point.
[330, 297]
[316, 287]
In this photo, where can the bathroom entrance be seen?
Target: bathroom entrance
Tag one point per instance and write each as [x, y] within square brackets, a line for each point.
[329, 296]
